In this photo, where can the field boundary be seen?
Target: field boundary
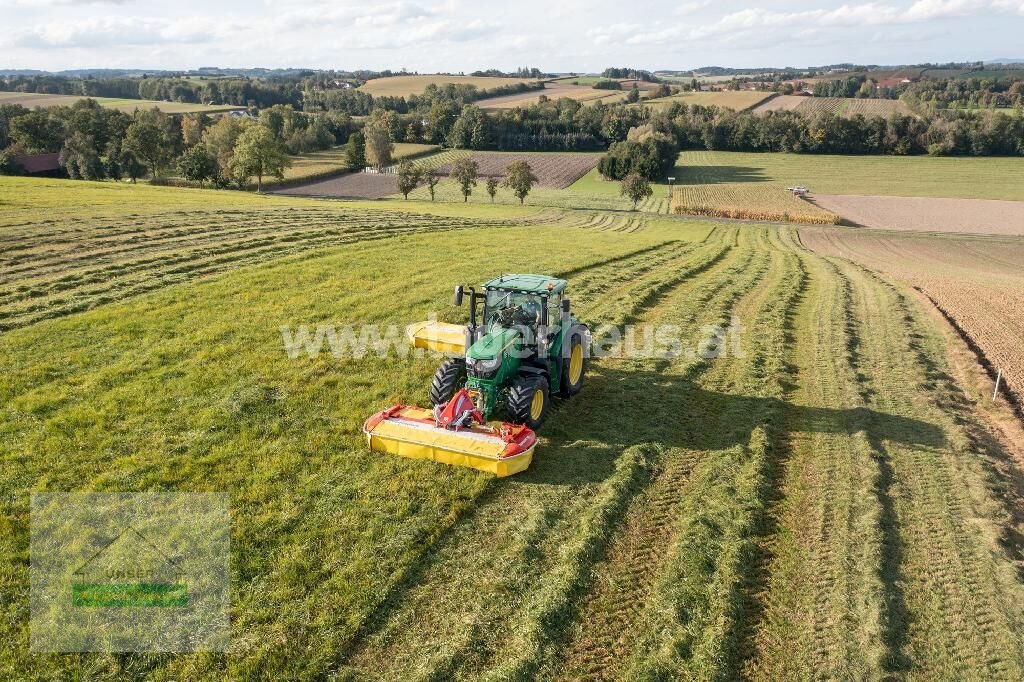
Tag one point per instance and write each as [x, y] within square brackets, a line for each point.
[1004, 389]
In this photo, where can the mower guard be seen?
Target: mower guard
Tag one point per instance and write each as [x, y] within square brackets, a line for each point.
[499, 448]
[441, 337]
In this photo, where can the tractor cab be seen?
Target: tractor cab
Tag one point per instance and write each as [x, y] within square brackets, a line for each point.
[521, 300]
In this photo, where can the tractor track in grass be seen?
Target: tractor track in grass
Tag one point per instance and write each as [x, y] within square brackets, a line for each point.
[558, 501]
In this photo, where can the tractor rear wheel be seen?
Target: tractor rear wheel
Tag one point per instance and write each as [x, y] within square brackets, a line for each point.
[528, 400]
[573, 368]
[449, 378]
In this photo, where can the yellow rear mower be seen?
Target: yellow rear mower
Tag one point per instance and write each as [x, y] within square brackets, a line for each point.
[526, 348]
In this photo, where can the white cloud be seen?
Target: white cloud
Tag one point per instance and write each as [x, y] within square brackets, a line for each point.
[42, 4]
[468, 34]
[113, 32]
[688, 8]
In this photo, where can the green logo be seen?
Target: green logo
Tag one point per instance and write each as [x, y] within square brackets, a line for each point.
[138, 594]
[129, 570]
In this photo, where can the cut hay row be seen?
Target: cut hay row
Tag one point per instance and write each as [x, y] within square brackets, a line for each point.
[748, 201]
[104, 260]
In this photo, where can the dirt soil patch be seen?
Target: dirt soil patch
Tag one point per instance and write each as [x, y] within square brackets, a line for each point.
[557, 171]
[348, 186]
[928, 214]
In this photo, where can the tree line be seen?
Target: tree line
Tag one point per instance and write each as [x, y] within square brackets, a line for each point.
[243, 92]
[97, 143]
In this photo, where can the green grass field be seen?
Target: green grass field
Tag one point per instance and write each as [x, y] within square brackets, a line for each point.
[327, 162]
[912, 176]
[817, 499]
[32, 100]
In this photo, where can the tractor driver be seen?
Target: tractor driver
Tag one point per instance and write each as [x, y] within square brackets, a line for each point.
[531, 311]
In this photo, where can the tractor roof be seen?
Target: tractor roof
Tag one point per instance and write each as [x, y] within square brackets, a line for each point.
[537, 284]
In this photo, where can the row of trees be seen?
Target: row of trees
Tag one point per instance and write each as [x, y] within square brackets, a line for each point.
[237, 91]
[97, 143]
[518, 177]
[987, 134]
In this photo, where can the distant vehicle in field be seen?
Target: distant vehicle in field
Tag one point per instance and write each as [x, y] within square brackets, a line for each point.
[799, 190]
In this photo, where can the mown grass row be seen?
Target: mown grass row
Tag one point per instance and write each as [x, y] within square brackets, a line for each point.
[693, 625]
[824, 608]
[604, 630]
[96, 268]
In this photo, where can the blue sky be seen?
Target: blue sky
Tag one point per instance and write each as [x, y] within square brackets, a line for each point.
[464, 35]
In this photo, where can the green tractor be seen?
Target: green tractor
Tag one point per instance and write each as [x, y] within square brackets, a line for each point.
[522, 346]
[526, 347]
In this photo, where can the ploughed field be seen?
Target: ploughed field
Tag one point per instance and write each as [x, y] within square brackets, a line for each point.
[554, 170]
[928, 214]
[817, 498]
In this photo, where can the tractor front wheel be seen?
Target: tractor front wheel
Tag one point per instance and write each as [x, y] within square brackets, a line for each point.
[449, 378]
[528, 400]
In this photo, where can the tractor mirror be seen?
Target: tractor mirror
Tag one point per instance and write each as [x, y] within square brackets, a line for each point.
[458, 295]
[565, 305]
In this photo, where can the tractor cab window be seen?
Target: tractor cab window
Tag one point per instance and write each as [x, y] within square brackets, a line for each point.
[510, 308]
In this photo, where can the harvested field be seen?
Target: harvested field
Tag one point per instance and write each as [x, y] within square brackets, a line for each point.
[839, 106]
[978, 282]
[404, 86]
[928, 214]
[748, 201]
[32, 100]
[553, 90]
[555, 170]
[815, 498]
[348, 186]
[781, 103]
[728, 99]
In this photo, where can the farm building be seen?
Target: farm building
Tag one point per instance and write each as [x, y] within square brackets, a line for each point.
[43, 165]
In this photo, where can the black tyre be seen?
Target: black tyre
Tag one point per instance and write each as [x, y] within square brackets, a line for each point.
[574, 367]
[449, 378]
[528, 401]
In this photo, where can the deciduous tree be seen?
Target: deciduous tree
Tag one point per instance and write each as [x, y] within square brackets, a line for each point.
[465, 171]
[520, 179]
[146, 140]
[258, 154]
[432, 178]
[635, 187]
[492, 186]
[379, 147]
[196, 164]
[409, 176]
